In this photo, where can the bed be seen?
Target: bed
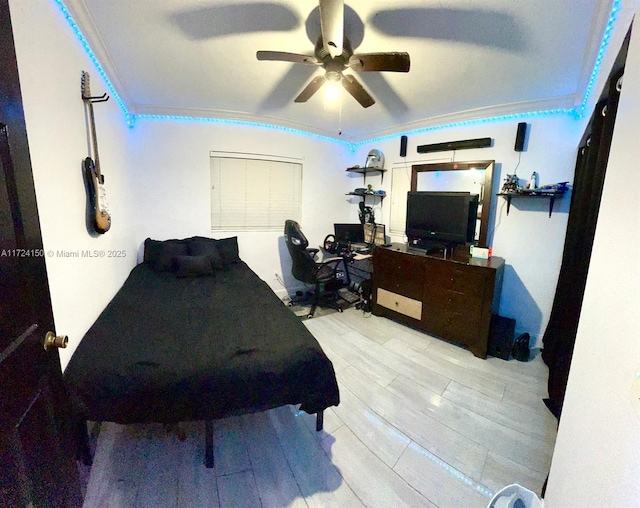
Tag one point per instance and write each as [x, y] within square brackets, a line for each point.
[195, 334]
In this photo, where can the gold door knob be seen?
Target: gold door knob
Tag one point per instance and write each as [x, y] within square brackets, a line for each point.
[53, 340]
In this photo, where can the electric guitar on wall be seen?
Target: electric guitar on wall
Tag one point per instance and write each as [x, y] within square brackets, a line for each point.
[98, 217]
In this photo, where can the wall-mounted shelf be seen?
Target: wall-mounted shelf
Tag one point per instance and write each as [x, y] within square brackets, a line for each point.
[363, 196]
[365, 171]
[526, 193]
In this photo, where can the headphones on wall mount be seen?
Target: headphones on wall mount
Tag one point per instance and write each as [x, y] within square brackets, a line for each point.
[366, 214]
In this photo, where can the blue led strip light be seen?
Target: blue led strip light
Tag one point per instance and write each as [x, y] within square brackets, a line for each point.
[93, 58]
[577, 112]
[580, 111]
[465, 123]
[452, 470]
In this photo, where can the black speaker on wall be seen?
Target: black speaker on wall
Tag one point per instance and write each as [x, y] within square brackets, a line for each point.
[521, 135]
[403, 146]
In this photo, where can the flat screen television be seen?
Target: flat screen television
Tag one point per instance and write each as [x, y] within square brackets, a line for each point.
[443, 218]
[474, 201]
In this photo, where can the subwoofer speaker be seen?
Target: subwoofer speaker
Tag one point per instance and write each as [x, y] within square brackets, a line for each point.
[521, 134]
[501, 336]
[403, 146]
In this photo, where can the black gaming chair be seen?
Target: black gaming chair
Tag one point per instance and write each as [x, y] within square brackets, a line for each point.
[307, 270]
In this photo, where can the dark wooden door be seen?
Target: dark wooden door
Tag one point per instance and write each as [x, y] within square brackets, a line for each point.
[37, 459]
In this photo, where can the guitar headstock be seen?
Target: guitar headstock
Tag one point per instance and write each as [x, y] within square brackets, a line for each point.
[85, 86]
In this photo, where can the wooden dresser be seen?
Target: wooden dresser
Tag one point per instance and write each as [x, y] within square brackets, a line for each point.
[452, 298]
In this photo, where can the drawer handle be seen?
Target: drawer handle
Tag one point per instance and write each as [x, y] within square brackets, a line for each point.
[397, 304]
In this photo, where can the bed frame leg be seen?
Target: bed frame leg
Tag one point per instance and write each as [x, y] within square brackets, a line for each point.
[84, 450]
[208, 443]
[319, 420]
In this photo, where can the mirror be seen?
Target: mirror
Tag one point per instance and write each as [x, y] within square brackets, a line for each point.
[475, 177]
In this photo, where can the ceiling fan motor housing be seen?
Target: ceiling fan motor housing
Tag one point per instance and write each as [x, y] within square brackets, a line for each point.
[334, 53]
[330, 63]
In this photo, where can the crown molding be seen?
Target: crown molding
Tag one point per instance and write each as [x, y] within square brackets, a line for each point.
[80, 17]
[514, 110]
[148, 112]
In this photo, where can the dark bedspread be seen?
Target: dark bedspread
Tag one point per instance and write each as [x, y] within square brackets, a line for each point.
[169, 349]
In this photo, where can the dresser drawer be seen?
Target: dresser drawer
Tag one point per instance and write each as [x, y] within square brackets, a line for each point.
[398, 273]
[456, 277]
[443, 300]
[451, 325]
[398, 303]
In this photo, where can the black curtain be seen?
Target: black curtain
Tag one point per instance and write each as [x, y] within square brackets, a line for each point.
[591, 165]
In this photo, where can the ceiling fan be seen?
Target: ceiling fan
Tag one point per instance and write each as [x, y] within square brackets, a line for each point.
[334, 53]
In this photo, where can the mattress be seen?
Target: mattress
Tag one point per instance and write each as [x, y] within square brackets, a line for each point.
[169, 349]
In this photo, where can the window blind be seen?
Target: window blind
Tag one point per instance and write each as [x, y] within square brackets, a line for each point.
[254, 194]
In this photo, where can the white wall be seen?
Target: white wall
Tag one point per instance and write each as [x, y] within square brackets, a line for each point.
[528, 239]
[172, 173]
[597, 460]
[50, 61]
[171, 167]
[157, 179]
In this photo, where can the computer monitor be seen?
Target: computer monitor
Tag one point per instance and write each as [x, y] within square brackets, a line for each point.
[349, 233]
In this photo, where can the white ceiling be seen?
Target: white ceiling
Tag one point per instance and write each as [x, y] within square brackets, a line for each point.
[469, 59]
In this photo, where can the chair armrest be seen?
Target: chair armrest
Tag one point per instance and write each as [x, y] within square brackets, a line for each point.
[332, 263]
[330, 260]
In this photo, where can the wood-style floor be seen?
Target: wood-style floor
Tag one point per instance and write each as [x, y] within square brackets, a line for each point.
[421, 423]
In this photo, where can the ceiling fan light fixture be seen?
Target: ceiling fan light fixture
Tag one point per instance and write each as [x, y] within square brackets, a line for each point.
[333, 52]
[332, 90]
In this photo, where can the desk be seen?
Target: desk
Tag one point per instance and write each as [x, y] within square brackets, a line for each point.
[358, 267]
[452, 298]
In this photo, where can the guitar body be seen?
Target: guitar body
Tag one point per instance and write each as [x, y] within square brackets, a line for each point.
[98, 218]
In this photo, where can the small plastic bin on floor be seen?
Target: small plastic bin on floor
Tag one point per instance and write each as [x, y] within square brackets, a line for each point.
[515, 496]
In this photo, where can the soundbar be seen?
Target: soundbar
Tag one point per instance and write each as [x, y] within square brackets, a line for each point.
[456, 145]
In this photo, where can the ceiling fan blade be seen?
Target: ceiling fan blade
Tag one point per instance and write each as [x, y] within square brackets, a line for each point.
[352, 86]
[313, 86]
[332, 26]
[283, 56]
[369, 62]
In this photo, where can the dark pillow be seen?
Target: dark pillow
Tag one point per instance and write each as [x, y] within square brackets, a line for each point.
[198, 239]
[228, 249]
[160, 254]
[204, 247]
[192, 266]
[151, 250]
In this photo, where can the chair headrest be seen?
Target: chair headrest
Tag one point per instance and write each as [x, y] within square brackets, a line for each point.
[293, 234]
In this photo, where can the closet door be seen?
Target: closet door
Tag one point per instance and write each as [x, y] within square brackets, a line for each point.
[591, 166]
[37, 459]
